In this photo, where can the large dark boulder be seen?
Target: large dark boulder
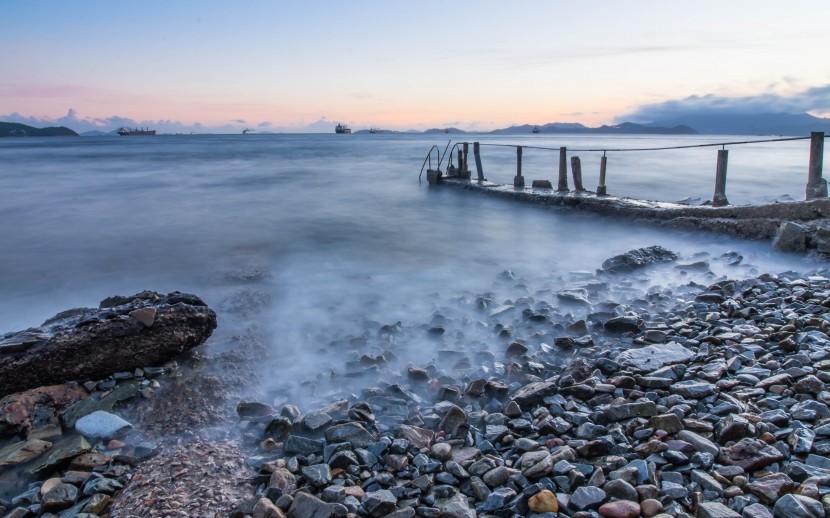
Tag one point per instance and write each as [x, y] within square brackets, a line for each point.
[638, 258]
[90, 344]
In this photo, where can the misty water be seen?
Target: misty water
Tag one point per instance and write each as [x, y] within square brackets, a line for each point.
[343, 225]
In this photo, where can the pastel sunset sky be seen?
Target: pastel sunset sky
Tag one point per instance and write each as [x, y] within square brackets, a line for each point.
[472, 64]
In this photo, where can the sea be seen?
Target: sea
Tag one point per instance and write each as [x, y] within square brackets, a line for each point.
[331, 231]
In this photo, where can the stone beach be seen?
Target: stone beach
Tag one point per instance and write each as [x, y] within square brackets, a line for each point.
[611, 396]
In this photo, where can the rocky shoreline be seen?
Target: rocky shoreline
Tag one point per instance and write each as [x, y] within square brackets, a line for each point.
[610, 396]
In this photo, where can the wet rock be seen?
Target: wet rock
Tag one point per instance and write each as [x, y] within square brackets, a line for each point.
[23, 451]
[94, 344]
[619, 509]
[265, 508]
[587, 497]
[638, 258]
[771, 487]
[353, 433]
[305, 505]
[797, 506]
[624, 324]
[790, 237]
[653, 357]
[455, 506]
[60, 497]
[36, 408]
[379, 503]
[60, 453]
[752, 454]
[715, 510]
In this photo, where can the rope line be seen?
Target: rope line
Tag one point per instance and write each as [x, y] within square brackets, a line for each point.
[604, 150]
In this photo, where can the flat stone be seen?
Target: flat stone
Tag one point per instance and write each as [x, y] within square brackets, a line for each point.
[536, 464]
[715, 510]
[455, 506]
[351, 432]
[146, 316]
[21, 452]
[756, 511]
[305, 505]
[629, 410]
[587, 497]
[317, 474]
[102, 425]
[653, 357]
[752, 454]
[60, 497]
[61, 452]
[379, 503]
[770, 488]
[418, 437]
[699, 443]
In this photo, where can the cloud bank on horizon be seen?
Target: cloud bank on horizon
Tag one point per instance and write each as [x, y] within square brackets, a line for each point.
[815, 101]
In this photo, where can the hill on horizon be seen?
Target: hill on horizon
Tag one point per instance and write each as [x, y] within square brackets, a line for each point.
[15, 129]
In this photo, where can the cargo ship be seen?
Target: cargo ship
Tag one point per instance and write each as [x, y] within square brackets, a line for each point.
[130, 132]
[342, 128]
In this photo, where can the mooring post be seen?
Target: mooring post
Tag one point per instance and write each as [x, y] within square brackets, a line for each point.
[816, 185]
[460, 164]
[601, 190]
[719, 199]
[563, 170]
[576, 170]
[519, 180]
[477, 156]
[465, 168]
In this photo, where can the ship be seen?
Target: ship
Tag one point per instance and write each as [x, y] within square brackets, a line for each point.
[342, 128]
[131, 132]
[375, 130]
[536, 129]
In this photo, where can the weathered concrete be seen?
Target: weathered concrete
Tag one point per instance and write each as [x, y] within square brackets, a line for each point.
[757, 222]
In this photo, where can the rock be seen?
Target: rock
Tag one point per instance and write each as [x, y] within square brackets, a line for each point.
[418, 437]
[455, 506]
[534, 393]
[93, 344]
[146, 316]
[790, 237]
[498, 499]
[715, 510]
[734, 428]
[98, 401]
[60, 497]
[23, 451]
[629, 410]
[265, 508]
[36, 408]
[305, 505]
[770, 488]
[102, 425]
[653, 357]
[60, 453]
[624, 324]
[455, 417]
[669, 423]
[797, 506]
[650, 507]
[587, 497]
[752, 454]
[379, 503]
[536, 464]
[756, 511]
[351, 432]
[543, 502]
[638, 258]
[620, 509]
[283, 479]
[699, 443]
[252, 409]
[317, 474]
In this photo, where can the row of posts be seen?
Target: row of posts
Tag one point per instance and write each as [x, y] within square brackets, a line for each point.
[816, 185]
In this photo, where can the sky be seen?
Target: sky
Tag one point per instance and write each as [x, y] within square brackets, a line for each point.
[473, 64]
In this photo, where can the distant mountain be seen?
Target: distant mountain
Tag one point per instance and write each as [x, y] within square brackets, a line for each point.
[627, 128]
[444, 130]
[97, 133]
[751, 124]
[14, 129]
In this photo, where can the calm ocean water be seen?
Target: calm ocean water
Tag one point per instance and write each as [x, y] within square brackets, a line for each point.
[341, 221]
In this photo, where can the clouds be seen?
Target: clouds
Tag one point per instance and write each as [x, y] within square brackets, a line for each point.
[814, 100]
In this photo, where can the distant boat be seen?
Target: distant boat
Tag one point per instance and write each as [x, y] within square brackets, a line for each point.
[246, 131]
[536, 129]
[130, 132]
[446, 130]
[375, 130]
[342, 128]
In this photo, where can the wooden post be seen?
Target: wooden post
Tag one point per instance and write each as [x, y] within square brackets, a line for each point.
[719, 199]
[576, 171]
[460, 164]
[601, 190]
[477, 156]
[465, 167]
[519, 180]
[816, 185]
[563, 170]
